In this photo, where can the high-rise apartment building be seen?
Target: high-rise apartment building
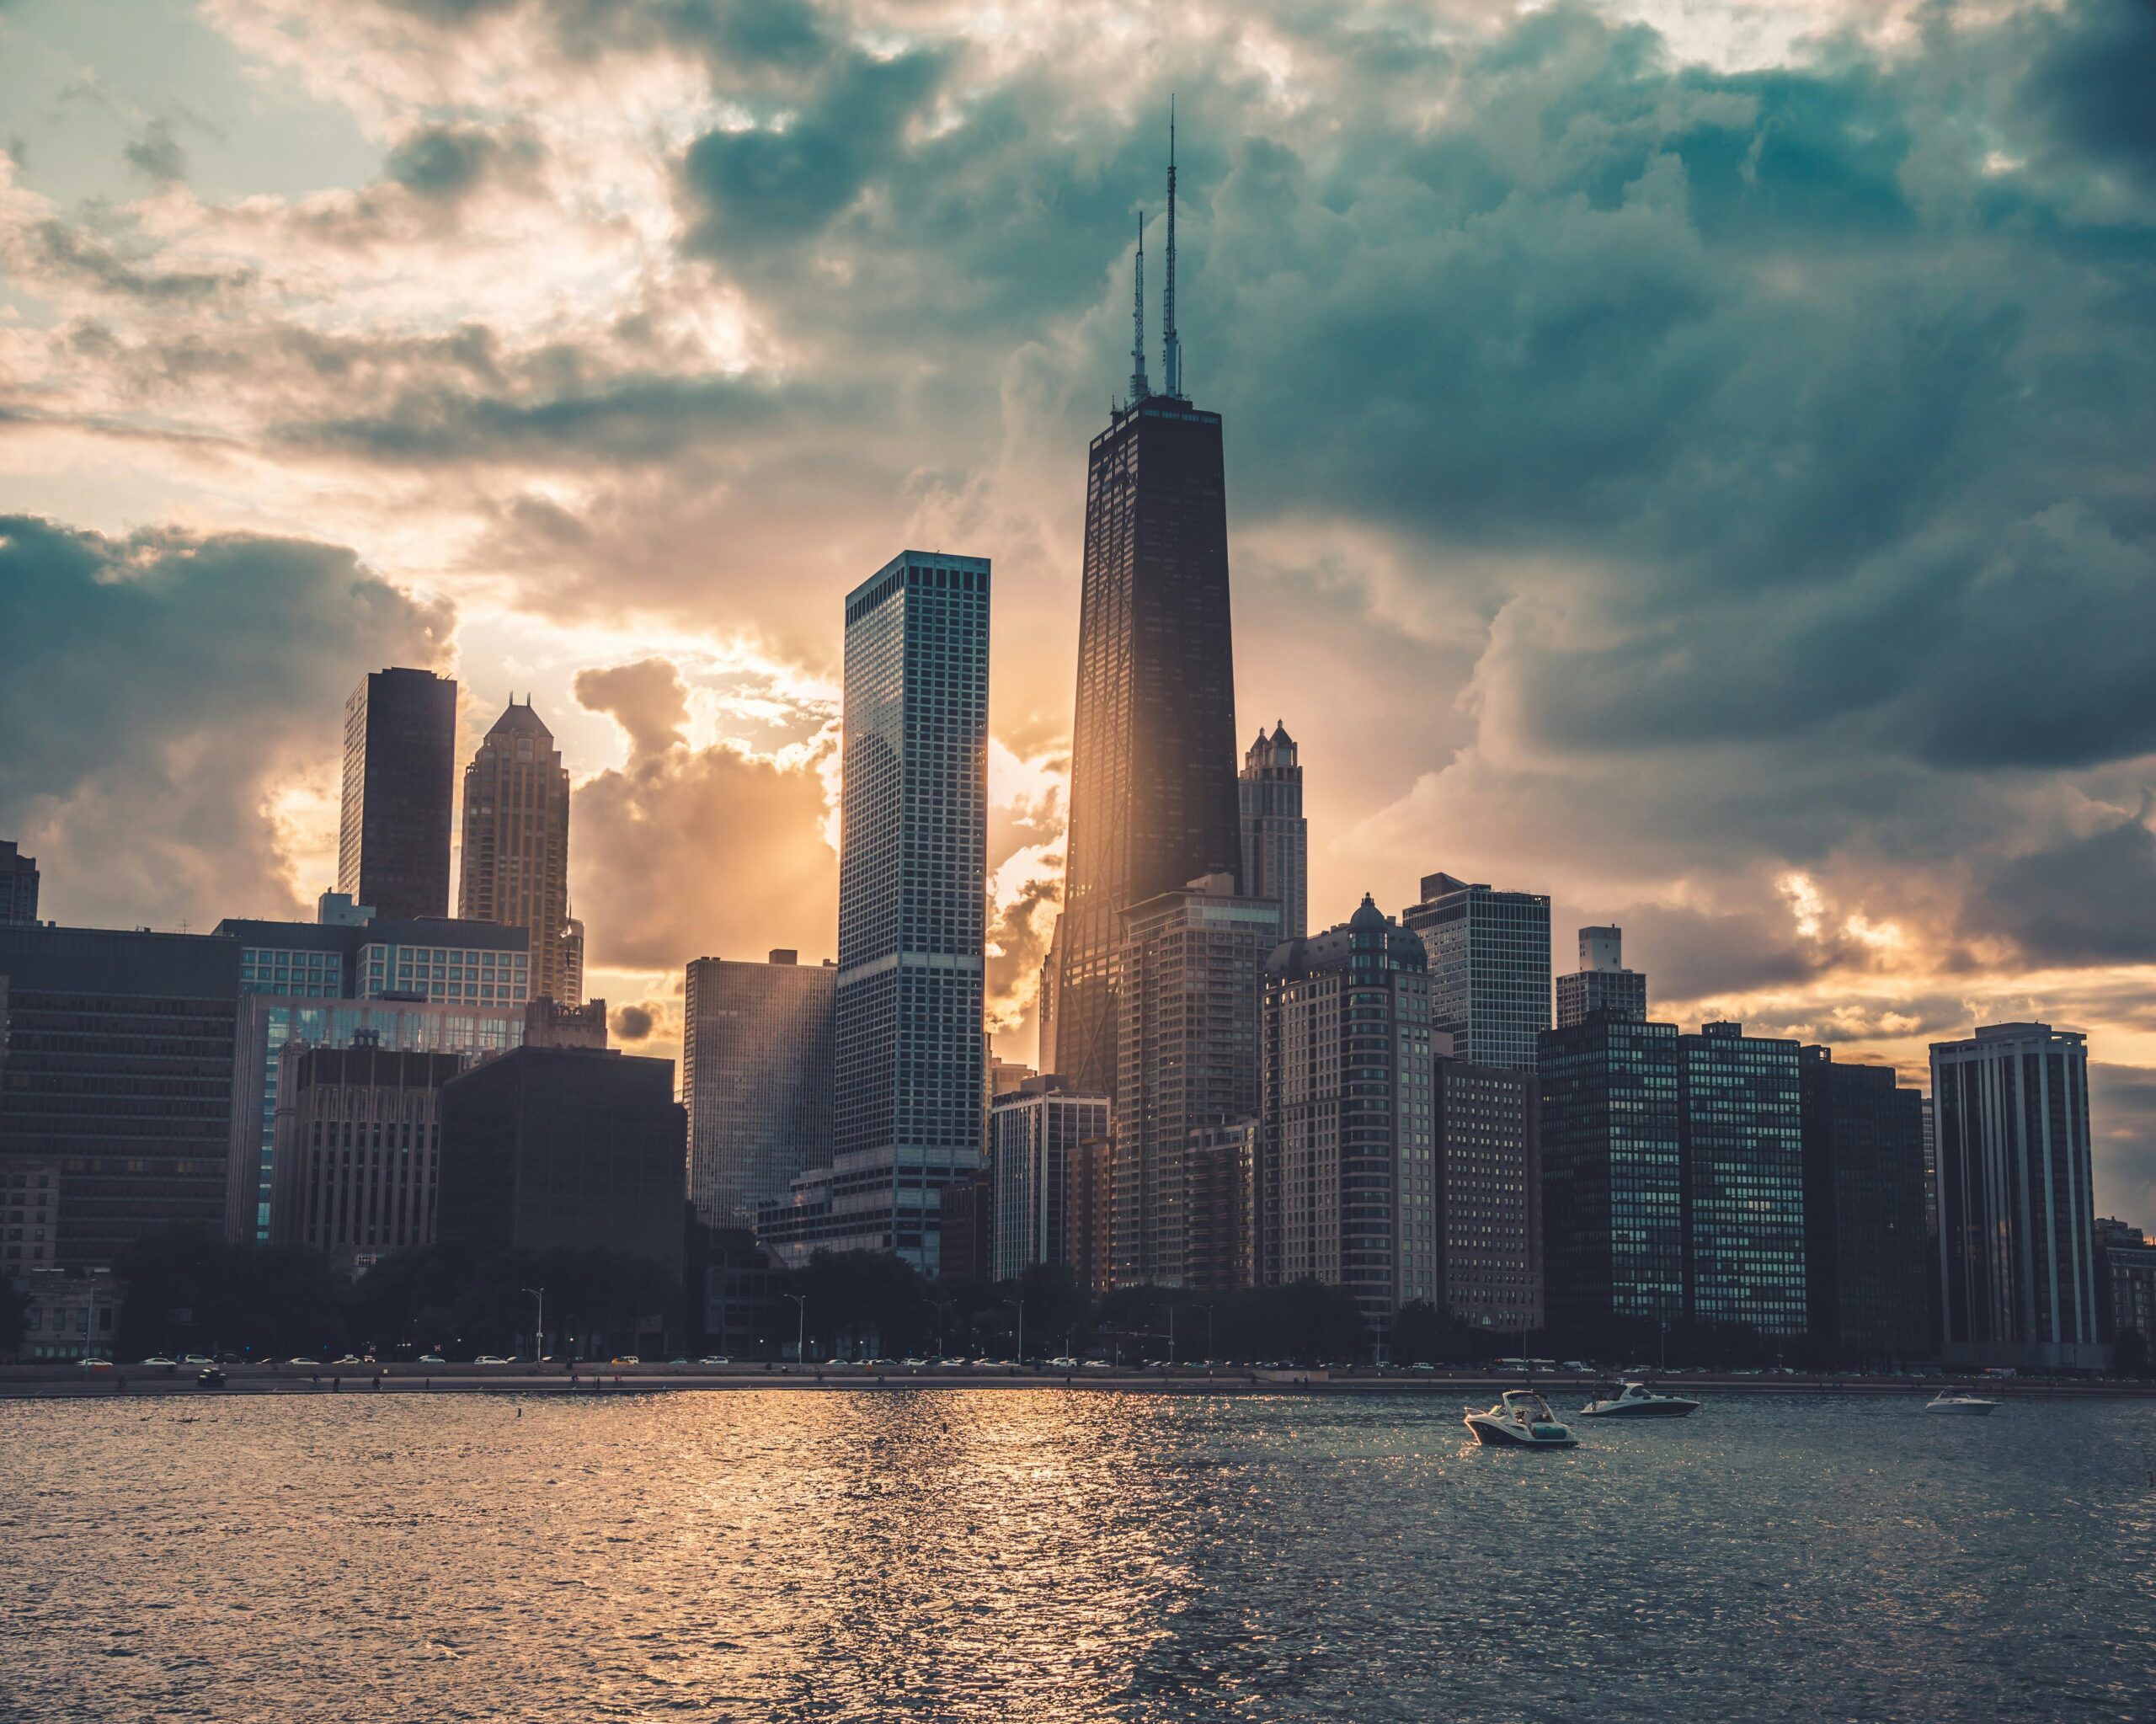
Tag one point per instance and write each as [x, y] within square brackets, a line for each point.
[1276, 837]
[1867, 1257]
[757, 1075]
[1036, 1131]
[1153, 791]
[18, 883]
[1601, 983]
[1740, 1138]
[357, 1138]
[1489, 1187]
[400, 767]
[1612, 1187]
[1346, 1164]
[1489, 968]
[2017, 1265]
[912, 885]
[516, 861]
[1189, 1004]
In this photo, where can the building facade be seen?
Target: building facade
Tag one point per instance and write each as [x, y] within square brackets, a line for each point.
[1220, 1226]
[1035, 1132]
[1346, 1169]
[1276, 837]
[1489, 1184]
[516, 859]
[400, 765]
[549, 1149]
[757, 1075]
[1489, 968]
[1190, 1004]
[1601, 983]
[2016, 1263]
[367, 958]
[1741, 1136]
[120, 1068]
[1612, 1187]
[29, 1217]
[357, 1144]
[908, 1029]
[1867, 1255]
[19, 883]
[2126, 1258]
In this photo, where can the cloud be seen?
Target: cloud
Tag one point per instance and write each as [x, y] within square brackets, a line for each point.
[447, 162]
[158, 153]
[632, 1023]
[162, 692]
[2084, 900]
[646, 699]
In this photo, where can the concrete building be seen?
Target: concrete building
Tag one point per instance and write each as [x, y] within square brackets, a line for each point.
[2126, 1258]
[1346, 1171]
[549, 1023]
[71, 1316]
[1612, 1185]
[1190, 1002]
[1601, 983]
[549, 1149]
[1740, 1121]
[2017, 1269]
[29, 1217]
[757, 1075]
[1276, 837]
[400, 763]
[1034, 1132]
[966, 1224]
[1867, 1255]
[1221, 1224]
[359, 956]
[515, 858]
[1489, 1183]
[120, 1068]
[1489, 956]
[357, 1143]
[19, 883]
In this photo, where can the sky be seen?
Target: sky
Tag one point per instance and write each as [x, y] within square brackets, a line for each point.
[1690, 459]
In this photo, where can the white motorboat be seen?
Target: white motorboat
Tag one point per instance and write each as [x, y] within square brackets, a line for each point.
[1521, 1419]
[1636, 1401]
[1960, 1400]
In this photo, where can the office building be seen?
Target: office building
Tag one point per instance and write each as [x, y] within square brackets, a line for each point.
[1034, 1132]
[1219, 1252]
[18, 881]
[71, 1316]
[563, 1149]
[1613, 1188]
[1489, 1187]
[2126, 1261]
[1153, 790]
[965, 1229]
[269, 1023]
[357, 1139]
[29, 1217]
[1601, 983]
[912, 899]
[2016, 1261]
[1190, 1003]
[1489, 968]
[1741, 1140]
[1346, 1175]
[367, 958]
[1867, 1257]
[400, 765]
[515, 860]
[1051, 979]
[572, 962]
[1276, 837]
[550, 1023]
[120, 1068]
[756, 1073]
[1092, 1214]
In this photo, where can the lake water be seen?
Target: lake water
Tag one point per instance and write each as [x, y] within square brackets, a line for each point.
[1049, 1554]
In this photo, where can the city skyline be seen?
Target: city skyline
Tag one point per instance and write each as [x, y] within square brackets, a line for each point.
[1921, 868]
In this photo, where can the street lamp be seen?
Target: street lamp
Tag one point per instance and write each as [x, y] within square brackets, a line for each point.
[801, 1338]
[1021, 1304]
[1207, 1309]
[941, 1305]
[539, 1335]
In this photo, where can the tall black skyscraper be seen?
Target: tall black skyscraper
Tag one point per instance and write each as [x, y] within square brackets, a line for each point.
[1153, 794]
[400, 749]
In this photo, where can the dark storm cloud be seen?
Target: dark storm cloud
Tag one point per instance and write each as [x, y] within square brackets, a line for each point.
[2090, 900]
[2092, 81]
[447, 161]
[2122, 1116]
[157, 690]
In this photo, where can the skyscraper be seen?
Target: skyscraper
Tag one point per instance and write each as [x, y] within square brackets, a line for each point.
[1190, 987]
[1601, 983]
[1036, 1131]
[1153, 795]
[516, 845]
[756, 1073]
[357, 1134]
[400, 767]
[1347, 1176]
[1276, 837]
[912, 883]
[1741, 1141]
[1866, 1251]
[1489, 1194]
[1489, 968]
[18, 880]
[2016, 1212]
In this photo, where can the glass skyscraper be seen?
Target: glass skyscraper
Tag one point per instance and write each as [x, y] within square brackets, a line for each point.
[1489, 968]
[756, 1073]
[1867, 1257]
[908, 1043]
[1741, 1139]
[400, 746]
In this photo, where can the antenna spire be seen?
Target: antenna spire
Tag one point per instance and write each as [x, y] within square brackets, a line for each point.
[1171, 348]
[1140, 388]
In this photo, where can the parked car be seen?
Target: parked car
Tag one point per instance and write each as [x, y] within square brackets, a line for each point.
[197, 1358]
[493, 1358]
[711, 1359]
[302, 1361]
[94, 1364]
[432, 1359]
[158, 1358]
[627, 1358]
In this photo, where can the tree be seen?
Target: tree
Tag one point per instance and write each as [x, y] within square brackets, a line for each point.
[14, 1312]
[2129, 1354]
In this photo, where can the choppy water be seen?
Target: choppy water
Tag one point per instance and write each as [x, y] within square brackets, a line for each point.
[1044, 1555]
